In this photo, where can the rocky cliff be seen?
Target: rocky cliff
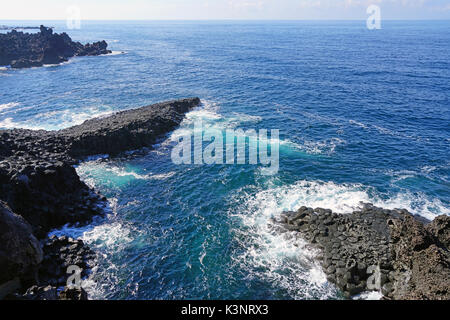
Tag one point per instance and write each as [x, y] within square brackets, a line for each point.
[25, 50]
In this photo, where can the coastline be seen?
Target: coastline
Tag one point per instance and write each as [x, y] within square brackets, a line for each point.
[45, 48]
[169, 232]
[42, 191]
[350, 244]
[398, 254]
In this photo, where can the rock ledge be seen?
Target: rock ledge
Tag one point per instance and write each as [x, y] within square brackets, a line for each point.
[40, 190]
[392, 251]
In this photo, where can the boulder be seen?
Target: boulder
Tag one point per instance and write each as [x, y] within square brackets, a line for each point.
[20, 251]
[74, 294]
[40, 293]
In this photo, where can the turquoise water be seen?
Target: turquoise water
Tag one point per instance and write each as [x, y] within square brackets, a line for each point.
[363, 116]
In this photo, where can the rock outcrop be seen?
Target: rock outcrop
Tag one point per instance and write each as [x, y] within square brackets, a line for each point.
[25, 50]
[40, 185]
[61, 253]
[391, 251]
[38, 181]
[20, 251]
[126, 130]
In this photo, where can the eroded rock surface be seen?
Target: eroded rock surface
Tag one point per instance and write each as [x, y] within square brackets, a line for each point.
[126, 130]
[59, 254]
[39, 182]
[25, 50]
[379, 249]
[20, 251]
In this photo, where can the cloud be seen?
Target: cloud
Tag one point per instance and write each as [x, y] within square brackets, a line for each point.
[224, 9]
[239, 4]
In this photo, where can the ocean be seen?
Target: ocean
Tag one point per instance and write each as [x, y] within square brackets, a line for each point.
[364, 115]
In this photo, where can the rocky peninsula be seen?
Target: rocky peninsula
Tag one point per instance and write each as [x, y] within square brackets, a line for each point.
[40, 190]
[25, 50]
[393, 251]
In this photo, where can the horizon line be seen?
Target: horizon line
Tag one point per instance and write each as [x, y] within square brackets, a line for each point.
[230, 19]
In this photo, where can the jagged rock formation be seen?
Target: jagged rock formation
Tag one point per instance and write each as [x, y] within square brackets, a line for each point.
[40, 185]
[38, 181]
[25, 50]
[59, 254]
[378, 249]
[51, 293]
[20, 251]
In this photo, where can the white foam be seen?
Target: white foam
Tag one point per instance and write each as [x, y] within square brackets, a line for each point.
[56, 64]
[104, 239]
[55, 120]
[7, 106]
[372, 295]
[97, 157]
[285, 258]
[345, 198]
[237, 118]
[120, 172]
[359, 124]
[327, 146]
[75, 118]
[8, 123]
[211, 119]
[105, 236]
[416, 203]
[111, 235]
[114, 53]
[100, 167]
[163, 176]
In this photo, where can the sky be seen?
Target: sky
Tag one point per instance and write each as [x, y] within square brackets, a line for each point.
[222, 9]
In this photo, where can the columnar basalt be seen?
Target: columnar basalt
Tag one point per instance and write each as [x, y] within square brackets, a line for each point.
[41, 190]
[401, 255]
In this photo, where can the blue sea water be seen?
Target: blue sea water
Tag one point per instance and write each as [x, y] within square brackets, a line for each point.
[363, 116]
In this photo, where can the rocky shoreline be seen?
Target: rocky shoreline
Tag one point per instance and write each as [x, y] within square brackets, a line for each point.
[392, 251]
[26, 50]
[40, 190]
[399, 254]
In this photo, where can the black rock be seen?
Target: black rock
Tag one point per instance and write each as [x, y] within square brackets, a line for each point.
[74, 294]
[42, 191]
[41, 293]
[409, 257]
[20, 251]
[59, 254]
[25, 50]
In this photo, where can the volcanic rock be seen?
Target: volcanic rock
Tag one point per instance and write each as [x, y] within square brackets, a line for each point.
[391, 251]
[25, 50]
[40, 190]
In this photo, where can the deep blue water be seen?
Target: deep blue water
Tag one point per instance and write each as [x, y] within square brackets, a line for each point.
[363, 116]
